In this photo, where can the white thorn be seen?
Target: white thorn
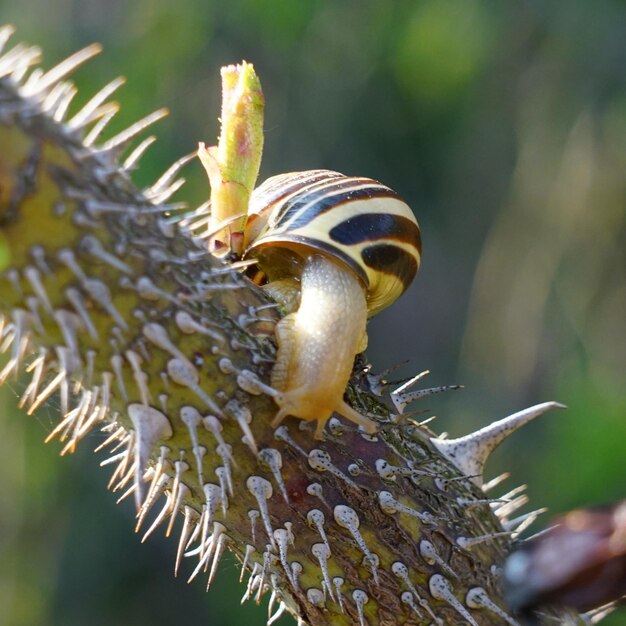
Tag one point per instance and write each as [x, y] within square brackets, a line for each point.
[246, 559]
[222, 537]
[92, 136]
[390, 506]
[494, 482]
[253, 516]
[409, 600]
[167, 509]
[477, 598]
[468, 542]
[261, 489]
[320, 461]
[89, 111]
[243, 416]
[402, 572]
[322, 553]
[440, 590]
[360, 599]
[595, 616]
[250, 586]
[168, 176]
[316, 518]
[281, 536]
[502, 512]
[519, 524]
[151, 427]
[349, 519]
[272, 459]
[282, 607]
[430, 555]
[150, 499]
[59, 71]
[5, 34]
[138, 152]
[282, 434]
[191, 418]
[315, 597]
[184, 536]
[134, 129]
[470, 453]
[338, 582]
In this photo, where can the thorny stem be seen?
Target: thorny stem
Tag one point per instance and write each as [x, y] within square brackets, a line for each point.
[110, 300]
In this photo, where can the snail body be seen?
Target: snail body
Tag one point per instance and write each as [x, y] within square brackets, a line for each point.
[317, 345]
[335, 250]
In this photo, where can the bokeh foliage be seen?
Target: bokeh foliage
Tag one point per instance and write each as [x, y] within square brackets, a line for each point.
[503, 125]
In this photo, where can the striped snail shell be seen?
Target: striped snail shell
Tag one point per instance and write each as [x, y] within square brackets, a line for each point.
[335, 250]
[355, 221]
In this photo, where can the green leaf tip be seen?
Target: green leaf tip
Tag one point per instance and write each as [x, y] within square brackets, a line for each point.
[233, 165]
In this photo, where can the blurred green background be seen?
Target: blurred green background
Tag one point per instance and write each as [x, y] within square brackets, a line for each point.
[504, 126]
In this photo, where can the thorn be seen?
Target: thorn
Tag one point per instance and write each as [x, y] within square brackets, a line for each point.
[268, 559]
[430, 555]
[191, 418]
[477, 598]
[440, 590]
[282, 607]
[185, 374]
[134, 129]
[595, 616]
[213, 495]
[17, 61]
[166, 179]
[470, 453]
[184, 536]
[151, 427]
[519, 524]
[360, 599]
[321, 552]
[402, 572]
[5, 34]
[246, 559]
[282, 434]
[348, 518]
[378, 382]
[224, 479]
[52, 386]
[272, 459]
[316, 518]
[409, 600]
[111, 108]
[90, 110]
[320, 461]
[149, 501]
[251, 581]
[253, 516]
[400, 401]
[133, 158]
[390, 506]
[282, 539]
[494, 482]
[166, 510]
[222, 537]
[243, 416]
[261, 489]
[469, 542]
[179, 491]
[208, 547]
[62, 69]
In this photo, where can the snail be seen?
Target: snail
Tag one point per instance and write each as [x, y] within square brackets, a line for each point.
[335, 250]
